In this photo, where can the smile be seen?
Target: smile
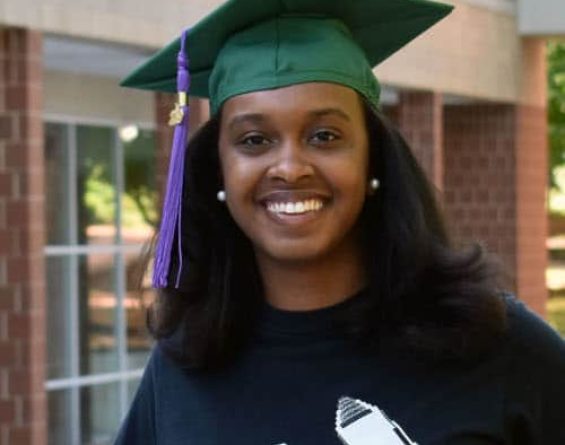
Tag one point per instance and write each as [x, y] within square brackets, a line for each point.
[296, 207]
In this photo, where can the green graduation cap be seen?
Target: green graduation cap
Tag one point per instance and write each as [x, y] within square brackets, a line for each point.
[251, 45]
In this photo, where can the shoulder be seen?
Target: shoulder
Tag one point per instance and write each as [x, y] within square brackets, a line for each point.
[531, 338]
[151, 372]
[534, 387]
[161, 363]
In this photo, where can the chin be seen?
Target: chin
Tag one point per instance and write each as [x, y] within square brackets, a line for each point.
[289, 252]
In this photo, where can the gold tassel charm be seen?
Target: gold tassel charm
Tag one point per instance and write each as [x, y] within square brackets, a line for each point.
[177, 114]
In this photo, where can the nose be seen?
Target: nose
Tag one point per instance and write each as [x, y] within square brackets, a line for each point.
[291, 164]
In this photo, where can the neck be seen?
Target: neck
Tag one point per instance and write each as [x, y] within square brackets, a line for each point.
[308, 285]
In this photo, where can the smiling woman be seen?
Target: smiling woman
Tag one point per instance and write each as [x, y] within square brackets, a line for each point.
[311, 285]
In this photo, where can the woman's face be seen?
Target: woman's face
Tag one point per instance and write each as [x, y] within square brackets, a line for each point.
[295, 169]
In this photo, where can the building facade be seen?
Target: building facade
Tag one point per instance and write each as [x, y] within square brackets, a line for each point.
[81, 161]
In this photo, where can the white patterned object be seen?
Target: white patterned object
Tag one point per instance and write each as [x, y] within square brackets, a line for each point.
[360, 423]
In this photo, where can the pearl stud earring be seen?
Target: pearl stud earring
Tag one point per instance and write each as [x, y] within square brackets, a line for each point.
[374, 184]
[221, 195]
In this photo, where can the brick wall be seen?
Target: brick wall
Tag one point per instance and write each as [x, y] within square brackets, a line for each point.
[22, 283]
[494, 188]
[490, 162]
[419, 116]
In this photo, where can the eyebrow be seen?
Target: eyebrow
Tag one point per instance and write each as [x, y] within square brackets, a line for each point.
[247, 117]
[328, 111]
[257, 118]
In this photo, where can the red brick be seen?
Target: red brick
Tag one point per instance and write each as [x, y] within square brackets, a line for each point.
[7, 297]
[18, 269]
[17, 213]
[21, 435]
[26, 380]
[7, 353]
[29, 301]
[17, 98]
[29, 71]
[25, 409]
[16, 154]
[19, 383]
[6, 184]
[19, 325]
[30, 129]
[7, 411]
[6, 127]
[6, 242]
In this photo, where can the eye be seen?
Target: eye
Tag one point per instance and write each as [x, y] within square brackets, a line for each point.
[324, 136]
[253, 140]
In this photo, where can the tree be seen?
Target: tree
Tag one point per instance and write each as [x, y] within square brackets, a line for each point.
[556, 108]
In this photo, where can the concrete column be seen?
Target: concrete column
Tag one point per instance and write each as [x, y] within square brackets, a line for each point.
[23, 413]
[531, 172]
[531, 213]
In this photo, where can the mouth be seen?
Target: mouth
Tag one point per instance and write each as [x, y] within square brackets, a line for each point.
[294, 207]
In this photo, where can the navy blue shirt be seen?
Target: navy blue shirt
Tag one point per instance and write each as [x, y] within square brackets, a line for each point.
[285, 389]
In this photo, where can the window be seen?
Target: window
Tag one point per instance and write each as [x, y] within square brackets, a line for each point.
[101, 213]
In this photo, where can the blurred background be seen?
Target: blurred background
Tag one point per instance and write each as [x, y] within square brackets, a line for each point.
[480, 98]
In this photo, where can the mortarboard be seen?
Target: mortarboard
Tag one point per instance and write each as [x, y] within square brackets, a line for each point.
[251, 45]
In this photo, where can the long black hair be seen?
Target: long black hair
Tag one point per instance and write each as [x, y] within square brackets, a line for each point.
[423, 294]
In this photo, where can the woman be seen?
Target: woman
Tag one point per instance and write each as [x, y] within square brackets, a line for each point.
[312, 287]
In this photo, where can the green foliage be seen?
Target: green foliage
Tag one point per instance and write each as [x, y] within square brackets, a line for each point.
[140, 183]
[139, 201]
[556, 311]
[556, 108]
[99, 197]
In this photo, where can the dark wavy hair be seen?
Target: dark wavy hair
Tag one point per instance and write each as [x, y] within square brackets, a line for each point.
[425, 296]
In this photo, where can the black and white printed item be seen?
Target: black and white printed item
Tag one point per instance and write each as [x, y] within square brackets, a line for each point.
[360, 423]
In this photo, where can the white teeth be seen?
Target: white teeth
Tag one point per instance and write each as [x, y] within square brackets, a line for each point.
[295, 207]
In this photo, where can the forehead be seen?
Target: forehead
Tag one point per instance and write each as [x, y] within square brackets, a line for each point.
[296, 100]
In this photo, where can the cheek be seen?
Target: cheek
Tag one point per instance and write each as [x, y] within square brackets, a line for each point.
[353, 195]
[237, 174]
[239, 181]
[351, 177]
[230, 167]
[353, 190]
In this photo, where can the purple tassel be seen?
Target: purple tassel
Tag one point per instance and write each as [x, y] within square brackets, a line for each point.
[171, 216]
